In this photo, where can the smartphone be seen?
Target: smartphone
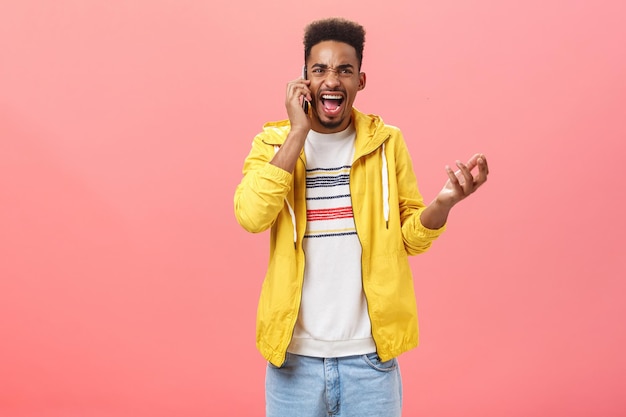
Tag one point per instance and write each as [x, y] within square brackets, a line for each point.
[305, 103]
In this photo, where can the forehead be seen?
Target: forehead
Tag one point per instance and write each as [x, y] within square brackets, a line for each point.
[333, 53]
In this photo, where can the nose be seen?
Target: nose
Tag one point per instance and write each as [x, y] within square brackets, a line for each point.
[332, 77]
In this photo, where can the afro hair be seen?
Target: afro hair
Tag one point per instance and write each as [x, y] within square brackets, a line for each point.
[334, 29]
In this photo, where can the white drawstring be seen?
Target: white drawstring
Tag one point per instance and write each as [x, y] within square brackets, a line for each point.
[385, 180]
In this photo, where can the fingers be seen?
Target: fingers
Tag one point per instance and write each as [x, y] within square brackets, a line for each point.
[479, 160]
[482, 160]
[483, 171]
[452, 177]
[476, 160]
[468, 179]
[298, 89]
[462, 183]
[464, 180]
[455, 183]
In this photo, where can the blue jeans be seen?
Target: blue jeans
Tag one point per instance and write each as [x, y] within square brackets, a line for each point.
[353, 386]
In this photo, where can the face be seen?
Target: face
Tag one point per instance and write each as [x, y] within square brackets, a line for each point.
[333, 69]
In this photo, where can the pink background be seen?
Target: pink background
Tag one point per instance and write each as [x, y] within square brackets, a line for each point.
[128, 289]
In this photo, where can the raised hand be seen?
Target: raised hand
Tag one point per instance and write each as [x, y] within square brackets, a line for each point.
[287, 155]
[462, 183]
[297, 91]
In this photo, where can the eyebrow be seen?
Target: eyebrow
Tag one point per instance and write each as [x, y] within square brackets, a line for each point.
[324, 66]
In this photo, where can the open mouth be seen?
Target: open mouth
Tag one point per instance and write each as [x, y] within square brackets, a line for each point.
[331, 103]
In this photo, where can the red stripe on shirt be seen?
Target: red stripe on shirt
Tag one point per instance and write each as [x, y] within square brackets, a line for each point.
[329, 214]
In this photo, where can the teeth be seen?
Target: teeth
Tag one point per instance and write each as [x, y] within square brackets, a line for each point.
[331, 97]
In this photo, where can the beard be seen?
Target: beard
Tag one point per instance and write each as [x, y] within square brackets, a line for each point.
[332, 125]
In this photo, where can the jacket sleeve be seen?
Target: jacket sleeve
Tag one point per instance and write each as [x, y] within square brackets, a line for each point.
[417, 238]
[260, 195]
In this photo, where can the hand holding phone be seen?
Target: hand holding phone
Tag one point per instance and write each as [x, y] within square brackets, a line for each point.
[305, 103]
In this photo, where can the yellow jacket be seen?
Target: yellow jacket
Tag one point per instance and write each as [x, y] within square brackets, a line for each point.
[381, 173]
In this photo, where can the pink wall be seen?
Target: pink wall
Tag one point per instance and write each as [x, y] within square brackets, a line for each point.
[128, 289]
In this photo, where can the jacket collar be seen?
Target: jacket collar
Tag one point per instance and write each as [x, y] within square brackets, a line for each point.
[370, 132]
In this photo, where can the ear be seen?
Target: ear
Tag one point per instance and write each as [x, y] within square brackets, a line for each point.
[362, 79]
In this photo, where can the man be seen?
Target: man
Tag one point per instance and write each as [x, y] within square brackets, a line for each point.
[338, 191]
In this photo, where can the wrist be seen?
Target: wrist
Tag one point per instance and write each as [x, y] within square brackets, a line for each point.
[298, 132]
[435, 215]
[443, 205]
